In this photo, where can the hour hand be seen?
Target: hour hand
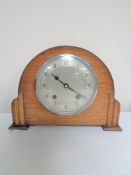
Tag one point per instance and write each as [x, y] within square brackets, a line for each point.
[57, 78]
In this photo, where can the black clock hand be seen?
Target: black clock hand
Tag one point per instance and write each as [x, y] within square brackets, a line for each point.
[67, 86]
[57, 78]
[76, 92]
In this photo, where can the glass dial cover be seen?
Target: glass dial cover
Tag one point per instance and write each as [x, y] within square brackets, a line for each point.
[66, 84]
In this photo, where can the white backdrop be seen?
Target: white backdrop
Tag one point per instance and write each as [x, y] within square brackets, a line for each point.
[27, 27]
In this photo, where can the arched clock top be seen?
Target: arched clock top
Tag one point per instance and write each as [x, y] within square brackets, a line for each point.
[105, 81]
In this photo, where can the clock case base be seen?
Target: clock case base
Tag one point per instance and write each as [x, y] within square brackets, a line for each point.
[20, 124]
[26, 127]
[105, 110]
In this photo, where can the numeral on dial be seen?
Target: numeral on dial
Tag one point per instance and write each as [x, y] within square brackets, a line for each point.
[43, 85]
[86, 74]
[89, 85]
[65, 106]
[66, 62]
[54, 96]
[54, 66]
[77, 96]
[46, 95]
[77, 103]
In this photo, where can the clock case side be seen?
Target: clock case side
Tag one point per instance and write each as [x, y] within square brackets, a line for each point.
[22, 106]
[18, 116]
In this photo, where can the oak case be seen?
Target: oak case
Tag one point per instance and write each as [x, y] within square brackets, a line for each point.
[27, 110]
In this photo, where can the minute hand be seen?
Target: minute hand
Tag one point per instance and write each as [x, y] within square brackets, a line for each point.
[76, 92]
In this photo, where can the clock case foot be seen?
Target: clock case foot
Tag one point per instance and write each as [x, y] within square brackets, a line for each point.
[112, 128]
[18, 127]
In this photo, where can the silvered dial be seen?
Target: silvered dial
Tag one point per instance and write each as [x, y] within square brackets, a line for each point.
[66, 84]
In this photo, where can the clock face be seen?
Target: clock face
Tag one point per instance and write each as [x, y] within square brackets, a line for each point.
[66, 84]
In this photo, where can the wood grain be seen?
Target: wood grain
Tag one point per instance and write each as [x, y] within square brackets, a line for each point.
[21, 109]
[15, 112]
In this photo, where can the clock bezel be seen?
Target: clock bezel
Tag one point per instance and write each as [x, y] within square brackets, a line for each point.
[91, 70]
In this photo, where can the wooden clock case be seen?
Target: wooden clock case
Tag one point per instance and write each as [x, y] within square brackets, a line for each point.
[27, 110]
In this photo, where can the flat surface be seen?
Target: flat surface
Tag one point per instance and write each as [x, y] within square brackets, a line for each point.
[65, 150]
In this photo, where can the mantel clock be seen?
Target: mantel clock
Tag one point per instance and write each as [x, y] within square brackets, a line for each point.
[66, 85]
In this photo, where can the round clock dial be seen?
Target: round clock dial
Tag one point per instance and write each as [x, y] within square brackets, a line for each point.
[66, 84]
